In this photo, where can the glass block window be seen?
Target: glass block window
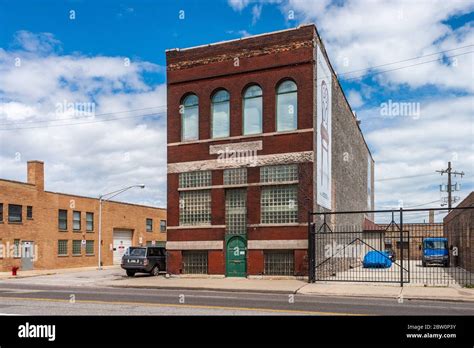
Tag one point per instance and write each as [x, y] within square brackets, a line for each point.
[76, 220]
[62, 219]
[236, 211]
[286, 172]
[89, 247]
[90, 222]
[235, 176]
[76, 247]
[195, 179]
[279, 204]
[195, 262]
[279, 262]
[195, 207]
[62, 247]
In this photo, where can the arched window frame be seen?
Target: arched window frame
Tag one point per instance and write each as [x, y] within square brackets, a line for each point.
[281, 94]
[246, 98]
[220, 103]
[188, 105]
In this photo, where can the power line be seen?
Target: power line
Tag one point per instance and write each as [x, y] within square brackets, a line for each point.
[402, 61]
[405, 67]
[75, 118]
[80, 123]
[405, 177]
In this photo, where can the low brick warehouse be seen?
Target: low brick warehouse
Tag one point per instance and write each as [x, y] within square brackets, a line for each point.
[259, 133]
[459, 226]
[45, 230]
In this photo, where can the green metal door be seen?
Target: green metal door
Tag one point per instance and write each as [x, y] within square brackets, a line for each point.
[236, 257]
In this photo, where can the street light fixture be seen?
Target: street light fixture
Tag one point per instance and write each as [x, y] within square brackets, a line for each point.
[104, 198]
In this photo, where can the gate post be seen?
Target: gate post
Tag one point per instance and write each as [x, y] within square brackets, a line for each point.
[311, 276]
[401, 246]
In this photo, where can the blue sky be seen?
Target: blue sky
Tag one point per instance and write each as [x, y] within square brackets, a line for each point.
[82, 60]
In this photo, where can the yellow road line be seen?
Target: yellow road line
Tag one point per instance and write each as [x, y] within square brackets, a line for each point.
[185, 306]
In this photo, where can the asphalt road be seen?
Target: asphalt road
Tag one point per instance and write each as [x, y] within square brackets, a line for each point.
[34, 299]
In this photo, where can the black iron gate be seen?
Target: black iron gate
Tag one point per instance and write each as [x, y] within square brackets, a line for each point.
[392, 246]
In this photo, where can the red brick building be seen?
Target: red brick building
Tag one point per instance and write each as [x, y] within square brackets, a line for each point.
[259, 132]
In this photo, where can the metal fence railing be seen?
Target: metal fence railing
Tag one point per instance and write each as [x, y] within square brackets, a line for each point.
[420, 246]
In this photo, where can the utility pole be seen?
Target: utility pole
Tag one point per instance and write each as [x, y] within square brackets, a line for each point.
[449, 188]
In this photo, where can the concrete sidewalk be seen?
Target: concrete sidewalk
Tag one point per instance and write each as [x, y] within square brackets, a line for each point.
[290, 286]
[457, 294]
[43, 272]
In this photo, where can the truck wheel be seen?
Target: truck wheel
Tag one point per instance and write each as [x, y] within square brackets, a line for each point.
[130, 273]
[155, 271]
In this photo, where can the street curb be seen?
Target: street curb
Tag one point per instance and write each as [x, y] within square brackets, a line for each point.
[258, 291]
[405, 298]
[283, 292]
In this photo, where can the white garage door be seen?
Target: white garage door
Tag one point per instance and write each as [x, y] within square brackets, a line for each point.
[122, 240]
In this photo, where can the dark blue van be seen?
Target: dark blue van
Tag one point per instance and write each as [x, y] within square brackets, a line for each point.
[435, 251]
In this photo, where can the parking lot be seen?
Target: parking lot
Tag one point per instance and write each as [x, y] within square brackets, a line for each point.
[413, 273]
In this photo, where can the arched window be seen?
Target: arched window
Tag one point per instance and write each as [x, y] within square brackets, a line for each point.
[190, 118]
[252, 110]
[220, 109]
[287, 106]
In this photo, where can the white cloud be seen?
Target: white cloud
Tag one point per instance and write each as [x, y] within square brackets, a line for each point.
[421, 146]
[355, 99]
[256, 13]
[87, 159]
[238, 5]
[362, 33]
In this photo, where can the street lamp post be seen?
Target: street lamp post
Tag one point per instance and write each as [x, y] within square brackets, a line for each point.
[102, 198]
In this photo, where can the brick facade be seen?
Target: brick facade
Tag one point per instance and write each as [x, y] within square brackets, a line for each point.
[43, 229]
[459, 226]
[264, 60]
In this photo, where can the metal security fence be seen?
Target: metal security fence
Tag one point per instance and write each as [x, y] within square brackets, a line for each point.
[392, 246]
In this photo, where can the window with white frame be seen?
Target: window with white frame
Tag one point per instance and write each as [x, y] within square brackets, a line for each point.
[162, 225]
[149, 225]
[220, 110]
[195, 207]
[189, 110]
[287, 105]
[280, 173]
[279, 204]
[252, 110]
[90, 222]
[235, 176]
[195, 179]
[76, 220]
